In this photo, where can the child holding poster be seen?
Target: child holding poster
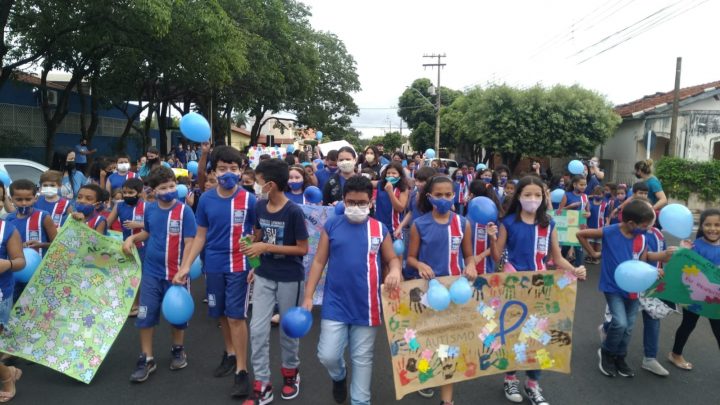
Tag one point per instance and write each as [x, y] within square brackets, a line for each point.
[529, 235]
[355, 248]
[575, 199]
[440, 243]
[11, 259]
[707, 245]
[88, 207]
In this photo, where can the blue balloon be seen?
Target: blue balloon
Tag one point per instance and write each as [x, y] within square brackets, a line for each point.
[557, 195]
[32, 261]
[166, 164]
[404, 163]
[399, 247]
[177, 305]
[482, 210]
[677, 220]
[5, 178]
[296, 322]
[195, 127]
[182, 190]
[196, 268]
[480, 166]
[319, 135]
[430, 153]
[461, 291]
[438, 296]
[192, 167]
[290, 149]
[635, 276]
[340, 208]
[576, 167]
[313, 195]
[319, 163]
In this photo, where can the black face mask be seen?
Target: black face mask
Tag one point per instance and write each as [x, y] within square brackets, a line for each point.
[249, 189]
[638, 176]
[70, 166]
[131, 201]
[153, 161]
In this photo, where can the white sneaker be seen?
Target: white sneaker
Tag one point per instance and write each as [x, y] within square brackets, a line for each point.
[603, 334]
[653, 366]
[512, 390]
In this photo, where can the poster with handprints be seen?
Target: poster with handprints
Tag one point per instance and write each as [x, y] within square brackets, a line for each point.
[690, 280]
[315, 218]
[567, 224]
[514, 321]
[76, 303]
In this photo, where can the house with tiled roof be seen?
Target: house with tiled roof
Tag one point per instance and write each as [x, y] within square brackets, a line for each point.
[698, 130]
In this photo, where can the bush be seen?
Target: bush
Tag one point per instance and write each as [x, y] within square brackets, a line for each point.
[681, 177]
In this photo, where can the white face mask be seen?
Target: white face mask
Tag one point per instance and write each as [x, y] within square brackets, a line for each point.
[530, 205]
[369, 158]
[347, 166]
[123, 167]
[357, 215]
[49, 191]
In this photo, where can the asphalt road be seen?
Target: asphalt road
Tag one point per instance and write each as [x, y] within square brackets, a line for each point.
[195, 384]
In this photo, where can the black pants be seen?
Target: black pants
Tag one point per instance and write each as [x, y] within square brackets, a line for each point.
[689, 321]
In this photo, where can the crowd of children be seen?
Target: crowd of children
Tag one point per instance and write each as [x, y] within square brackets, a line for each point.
[248, 228]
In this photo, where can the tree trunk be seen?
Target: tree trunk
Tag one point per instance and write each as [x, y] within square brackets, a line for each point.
[228, 123]
[258, 113]
[54, 116]
[162, 127]
[148, 122]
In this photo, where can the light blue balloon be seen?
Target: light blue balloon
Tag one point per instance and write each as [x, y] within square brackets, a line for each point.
[5, 178]
[677, 220]
[576, 167]
[480, 166]
[32, 261]
[399, 247]
[635, 276]
[438, 297]
[182, 190]
[460, 291]
[430, 153]
[291, 149]
[166, 164]
[557, 195]
[196, 268]
[177, 305]
[195, 127]
[319, 135]
[192, 167]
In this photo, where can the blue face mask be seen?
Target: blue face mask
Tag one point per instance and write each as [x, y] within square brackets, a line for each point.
[442, 205]
[295, 185]
[85, 209]
[392, 180]
[503, 181]
[487, 180]
[332, 169]
[24, 210]
[598, 198]
[168, 197]
[638, 231]
[228, 180]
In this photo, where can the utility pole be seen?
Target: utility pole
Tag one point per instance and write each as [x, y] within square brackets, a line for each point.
[439, 65]
[676, 106]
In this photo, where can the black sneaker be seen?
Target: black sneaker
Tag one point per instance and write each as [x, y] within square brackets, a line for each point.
[535, 395]
[226, 367]
[512, 390]
[426, 392]
[179, 358]
[241, 387]
[143, 369]
[607, 363]
[622, 367]
[340, 390]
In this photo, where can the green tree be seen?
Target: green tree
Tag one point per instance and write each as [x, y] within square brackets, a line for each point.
[391, 141]
[423, 137]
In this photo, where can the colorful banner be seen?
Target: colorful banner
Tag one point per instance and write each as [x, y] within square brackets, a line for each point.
[514, 321]
[255, 152]
[315, 218]
[76, 303]
[692, 280]
[568, 223]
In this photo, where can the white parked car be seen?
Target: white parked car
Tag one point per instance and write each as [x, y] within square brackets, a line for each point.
[22, 169]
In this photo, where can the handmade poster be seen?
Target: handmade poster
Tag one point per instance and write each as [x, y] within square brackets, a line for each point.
[315, 218]
[514, 321]
[76, 303]
[568, 223]
[691, 280]
[255, 152]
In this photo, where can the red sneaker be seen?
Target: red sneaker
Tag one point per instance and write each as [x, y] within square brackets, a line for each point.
[291, 384]
[262, 394]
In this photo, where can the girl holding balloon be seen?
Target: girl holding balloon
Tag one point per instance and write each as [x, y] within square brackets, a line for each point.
[297, 182]
[12, 259]
[440, 243]
[529, 235]
[480, 215]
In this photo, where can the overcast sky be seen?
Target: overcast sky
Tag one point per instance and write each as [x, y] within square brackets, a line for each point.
[521, 42]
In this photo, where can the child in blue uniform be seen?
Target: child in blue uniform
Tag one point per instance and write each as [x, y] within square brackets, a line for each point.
[88, 207]
[226, 214]
[460, 188]
[621, 242]
[413, 212]
[50, 200]
[481, 241]
[707, 245]
[11, 260]
[117, 179]
[297, 182]
[615, 204]
[169, 229]
[355, 248]
[575, 199]
[597, 218]
[392, 196]
[440, 243]
[529, 235]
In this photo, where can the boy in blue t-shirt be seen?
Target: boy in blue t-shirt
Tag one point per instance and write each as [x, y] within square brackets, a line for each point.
[355, 248]
[281, 241]
[88, 208]
[122, 174]
[621, 242]
[50, 200]
[169, 228]
[226, 214]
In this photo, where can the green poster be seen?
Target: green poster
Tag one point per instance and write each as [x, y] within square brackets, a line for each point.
[568, 223]
[76, 303]
[693, 281]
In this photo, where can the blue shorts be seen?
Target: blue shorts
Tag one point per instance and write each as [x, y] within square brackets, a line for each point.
[227, 294]
[152, 292]
[6, 306]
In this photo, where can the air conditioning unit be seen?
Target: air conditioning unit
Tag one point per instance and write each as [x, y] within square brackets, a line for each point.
[52, 97]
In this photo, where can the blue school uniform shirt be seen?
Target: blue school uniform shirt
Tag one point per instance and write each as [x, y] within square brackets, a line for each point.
[527, 244]
[354, 272]
[94, 222]
[7, 281]
[30, 227]
[134, 213]
[58, 210]
[707, 250]
[655, 243]
[572, 198]
[440, 246]
[598, 213]
[384, 211]
[323, 176]
[616, 248]
[591, 184]
[227, 220]
[117, 180]
[298, 199]
[285, 227]
[481, 242]
[168, 229]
